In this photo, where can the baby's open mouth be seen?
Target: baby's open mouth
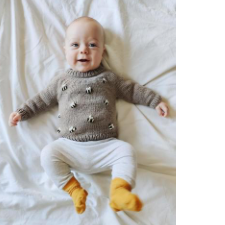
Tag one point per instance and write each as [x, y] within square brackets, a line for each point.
[82, 60]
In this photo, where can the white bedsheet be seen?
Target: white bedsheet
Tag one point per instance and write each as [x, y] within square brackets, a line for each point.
[140, 44]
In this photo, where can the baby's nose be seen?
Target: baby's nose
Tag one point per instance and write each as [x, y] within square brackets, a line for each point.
[84, 50]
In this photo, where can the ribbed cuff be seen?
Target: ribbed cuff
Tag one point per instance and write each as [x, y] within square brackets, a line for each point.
[157, 99]
[23, 113]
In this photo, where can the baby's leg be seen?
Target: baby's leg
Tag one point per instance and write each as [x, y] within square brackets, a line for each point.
[57, 162]
[120, 157]
[123, 174]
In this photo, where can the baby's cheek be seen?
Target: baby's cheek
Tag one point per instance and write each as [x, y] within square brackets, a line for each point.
[71, 58]
[98, 58]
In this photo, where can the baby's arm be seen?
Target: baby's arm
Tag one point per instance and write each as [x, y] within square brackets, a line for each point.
[41, 102]
[138, 94]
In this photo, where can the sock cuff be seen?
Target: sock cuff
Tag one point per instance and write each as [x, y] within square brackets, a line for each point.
[118, 182]
[72, 185]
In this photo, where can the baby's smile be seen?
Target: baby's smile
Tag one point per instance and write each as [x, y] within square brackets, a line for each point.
[83, 60]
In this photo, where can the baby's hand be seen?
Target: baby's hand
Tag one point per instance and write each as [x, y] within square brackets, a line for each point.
[162, 109]
[14, 118]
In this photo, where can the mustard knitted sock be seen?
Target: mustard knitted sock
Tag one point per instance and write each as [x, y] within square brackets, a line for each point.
[77, 193]
[122, 198]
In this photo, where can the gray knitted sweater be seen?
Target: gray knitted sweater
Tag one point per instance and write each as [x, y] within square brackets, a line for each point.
[86, 102]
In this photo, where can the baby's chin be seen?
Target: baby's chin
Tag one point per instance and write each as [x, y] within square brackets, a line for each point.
[83, 69]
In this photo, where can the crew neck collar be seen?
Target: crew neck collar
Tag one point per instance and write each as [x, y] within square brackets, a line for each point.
[90, 73]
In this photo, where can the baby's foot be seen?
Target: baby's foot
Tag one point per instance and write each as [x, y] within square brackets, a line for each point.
[77, 193]
[79, 199]
[122, 198]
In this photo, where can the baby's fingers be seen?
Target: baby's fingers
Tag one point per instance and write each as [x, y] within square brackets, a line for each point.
[12, 124]
[14, 118]
[165, 111]
[162, 111]
[159, 111]
[17, 117]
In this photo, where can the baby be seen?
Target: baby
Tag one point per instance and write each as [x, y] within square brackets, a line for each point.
[86, 95]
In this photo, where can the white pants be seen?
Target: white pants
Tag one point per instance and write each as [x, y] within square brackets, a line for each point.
[90, 157]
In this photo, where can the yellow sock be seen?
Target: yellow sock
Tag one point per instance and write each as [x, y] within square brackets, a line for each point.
[77, 193]
[122, 198]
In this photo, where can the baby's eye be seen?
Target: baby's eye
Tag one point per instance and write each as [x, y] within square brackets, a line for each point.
[92, 45]
[75, 45]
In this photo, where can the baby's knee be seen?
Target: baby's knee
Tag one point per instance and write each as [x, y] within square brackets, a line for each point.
[128, 150]
[48, 154]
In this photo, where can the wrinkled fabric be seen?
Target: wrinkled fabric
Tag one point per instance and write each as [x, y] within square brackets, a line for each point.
[140, 45]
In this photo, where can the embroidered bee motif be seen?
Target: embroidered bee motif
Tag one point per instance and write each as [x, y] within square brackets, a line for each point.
[90, 119]
[64, 87]
[58, 130]
[88, 90]
[72, 129]
[111, 126]
[103, 80]
[73, 105]
[106, 102]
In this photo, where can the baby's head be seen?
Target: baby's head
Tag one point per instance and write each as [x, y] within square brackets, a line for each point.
[84, 44]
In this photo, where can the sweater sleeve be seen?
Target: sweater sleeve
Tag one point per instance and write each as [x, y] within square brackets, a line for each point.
[136, 93]
[42, 101]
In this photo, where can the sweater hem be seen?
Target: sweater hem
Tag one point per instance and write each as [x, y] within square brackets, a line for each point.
[90, 137]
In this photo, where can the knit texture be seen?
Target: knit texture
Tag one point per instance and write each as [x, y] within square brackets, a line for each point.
[121, 197]
[86, 102]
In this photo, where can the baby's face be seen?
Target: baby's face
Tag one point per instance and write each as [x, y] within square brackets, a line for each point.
[84, 45]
